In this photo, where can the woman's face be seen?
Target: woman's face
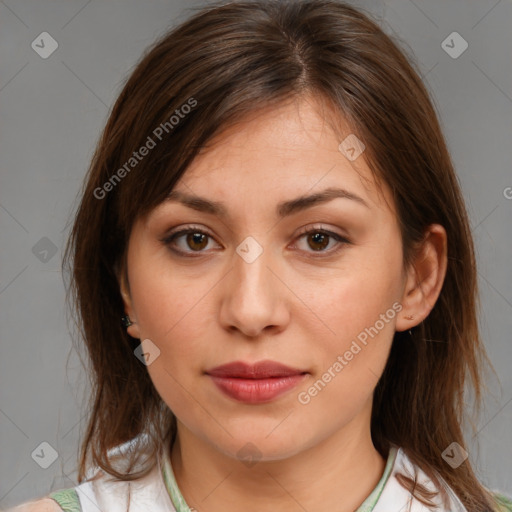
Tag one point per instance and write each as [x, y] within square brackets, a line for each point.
[269, 281]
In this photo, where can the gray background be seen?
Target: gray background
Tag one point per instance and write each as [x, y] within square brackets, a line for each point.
[52, 111]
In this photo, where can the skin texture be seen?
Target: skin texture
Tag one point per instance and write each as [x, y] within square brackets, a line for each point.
[290, 305]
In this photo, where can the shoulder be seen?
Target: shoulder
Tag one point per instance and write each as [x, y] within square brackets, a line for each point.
[41, 505]
[63, 500]
[504, 502]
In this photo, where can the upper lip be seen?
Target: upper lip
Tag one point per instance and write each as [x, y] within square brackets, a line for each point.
[260, 370]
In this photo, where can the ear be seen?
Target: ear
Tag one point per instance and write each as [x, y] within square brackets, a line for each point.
[425, 278]
[124, 288]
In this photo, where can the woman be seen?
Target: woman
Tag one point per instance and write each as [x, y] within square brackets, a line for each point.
[273, 211]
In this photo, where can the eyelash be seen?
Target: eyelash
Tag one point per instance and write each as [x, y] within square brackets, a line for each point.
[342, 241]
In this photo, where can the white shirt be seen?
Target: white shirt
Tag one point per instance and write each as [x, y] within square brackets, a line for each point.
[159, 492]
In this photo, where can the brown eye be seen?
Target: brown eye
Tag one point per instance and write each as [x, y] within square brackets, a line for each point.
[194, 240]
[197, 240]
[319, 241]
[188, 241]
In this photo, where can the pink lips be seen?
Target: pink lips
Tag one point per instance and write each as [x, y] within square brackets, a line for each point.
[257, 383]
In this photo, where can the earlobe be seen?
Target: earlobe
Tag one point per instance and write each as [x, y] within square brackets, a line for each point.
[425, 278]
[129, 319]
[131, 327]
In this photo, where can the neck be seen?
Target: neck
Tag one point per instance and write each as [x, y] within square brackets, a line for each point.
[337, 473]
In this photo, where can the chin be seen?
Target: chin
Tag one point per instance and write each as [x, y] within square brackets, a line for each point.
[263, 446]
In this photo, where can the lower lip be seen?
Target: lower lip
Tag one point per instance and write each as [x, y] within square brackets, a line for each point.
[256, 391]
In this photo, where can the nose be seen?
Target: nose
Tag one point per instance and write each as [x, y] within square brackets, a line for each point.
[254, 297]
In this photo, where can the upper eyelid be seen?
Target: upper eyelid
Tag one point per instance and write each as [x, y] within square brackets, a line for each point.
[302, 231]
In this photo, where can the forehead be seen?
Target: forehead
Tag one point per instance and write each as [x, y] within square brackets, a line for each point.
[280, 153]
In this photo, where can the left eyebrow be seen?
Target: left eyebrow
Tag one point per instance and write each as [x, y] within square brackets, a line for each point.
[283, 209]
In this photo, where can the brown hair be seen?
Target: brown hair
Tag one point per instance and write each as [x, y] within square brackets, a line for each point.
[229, 61]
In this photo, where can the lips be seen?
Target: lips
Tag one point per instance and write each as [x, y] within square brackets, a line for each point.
[255, 383]
[259, 370]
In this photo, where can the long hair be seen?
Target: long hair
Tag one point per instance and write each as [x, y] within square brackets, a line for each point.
[224, 63]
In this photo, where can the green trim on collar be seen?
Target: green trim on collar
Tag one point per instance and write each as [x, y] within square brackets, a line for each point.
[67, 499]
[172, 486]
[504, 502]
[369, 503]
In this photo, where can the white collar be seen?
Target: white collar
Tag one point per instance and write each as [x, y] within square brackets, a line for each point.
[159, 492]
[394, 497]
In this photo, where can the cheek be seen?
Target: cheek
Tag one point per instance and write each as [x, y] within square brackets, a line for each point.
[352, 299]
[354, 317]
[173, 316]
[171, 313]
[169, 302]
[351, 353]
